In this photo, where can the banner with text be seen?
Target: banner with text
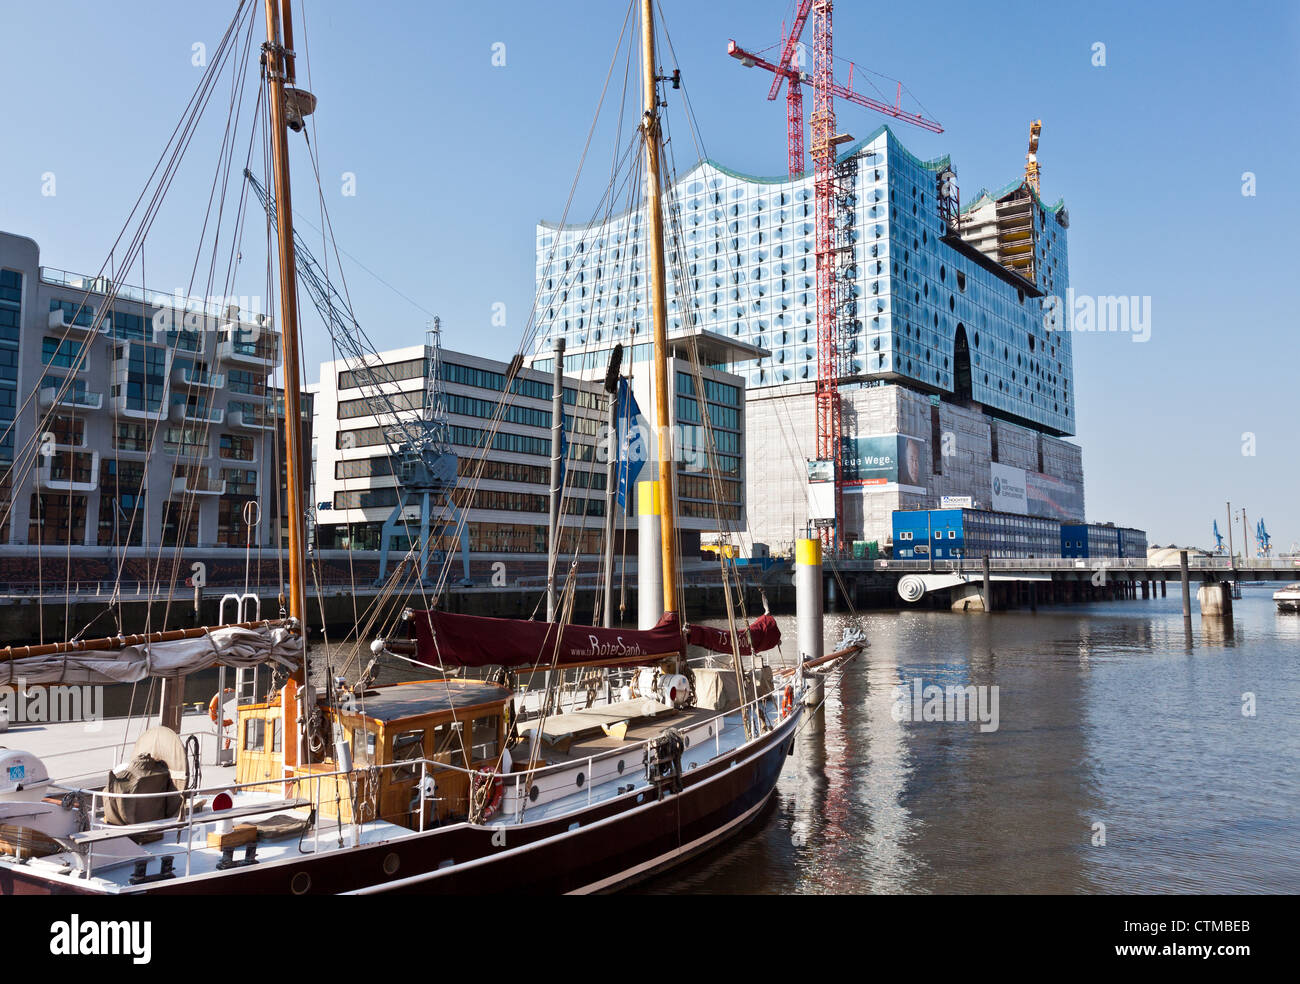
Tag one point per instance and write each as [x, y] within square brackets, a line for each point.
[891, 458]
[1009, 489]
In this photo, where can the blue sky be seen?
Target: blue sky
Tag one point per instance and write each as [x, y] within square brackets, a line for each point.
[455, 159]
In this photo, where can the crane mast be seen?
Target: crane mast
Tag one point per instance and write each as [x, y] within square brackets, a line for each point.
[828, 192]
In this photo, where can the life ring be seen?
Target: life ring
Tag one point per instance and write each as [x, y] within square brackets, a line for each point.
[214, 708]
[486, 774]
[787, 701]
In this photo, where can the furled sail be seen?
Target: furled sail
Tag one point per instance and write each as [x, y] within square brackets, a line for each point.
[445, 639]
[763, 631]
[231, 645]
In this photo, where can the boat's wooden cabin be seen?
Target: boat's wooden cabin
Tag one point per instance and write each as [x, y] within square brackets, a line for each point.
[454, 722]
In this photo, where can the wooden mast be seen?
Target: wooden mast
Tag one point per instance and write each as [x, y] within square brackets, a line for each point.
[279, 70]
[667, 464]
[296, 706]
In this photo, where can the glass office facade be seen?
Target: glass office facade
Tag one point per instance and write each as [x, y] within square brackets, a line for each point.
[916, 307]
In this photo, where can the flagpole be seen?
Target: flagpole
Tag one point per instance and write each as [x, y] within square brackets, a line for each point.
[557, 451]
[613, 461]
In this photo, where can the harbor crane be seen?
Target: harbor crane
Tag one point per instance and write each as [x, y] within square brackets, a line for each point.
[422, 460]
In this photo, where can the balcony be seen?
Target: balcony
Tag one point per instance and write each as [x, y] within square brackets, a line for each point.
[74, 399]
[198, 378]
[249, 346]
[197, 483]
[81, 328]
[146, 374]
[182, 411]
[52, 473]
[258, 420]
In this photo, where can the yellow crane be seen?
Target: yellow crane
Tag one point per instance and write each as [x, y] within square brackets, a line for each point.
[1031, 159]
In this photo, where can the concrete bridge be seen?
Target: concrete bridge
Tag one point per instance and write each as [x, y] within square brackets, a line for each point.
[974, 585]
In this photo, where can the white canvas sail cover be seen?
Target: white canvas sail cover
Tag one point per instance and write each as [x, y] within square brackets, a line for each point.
[227, 646]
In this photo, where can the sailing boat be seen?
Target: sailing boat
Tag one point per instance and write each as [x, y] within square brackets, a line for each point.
[413, 787]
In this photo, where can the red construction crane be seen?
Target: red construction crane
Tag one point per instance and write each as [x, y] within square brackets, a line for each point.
[824, 142]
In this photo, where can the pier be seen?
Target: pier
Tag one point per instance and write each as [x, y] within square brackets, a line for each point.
[1027, 582]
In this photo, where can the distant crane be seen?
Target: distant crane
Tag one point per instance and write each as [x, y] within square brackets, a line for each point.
[1031, 158]
[1263, 542]
[424, 463]
[827, 190]
[1218, 539]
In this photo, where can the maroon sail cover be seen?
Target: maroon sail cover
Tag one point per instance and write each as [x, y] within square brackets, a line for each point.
[475, 640]
[764, 631]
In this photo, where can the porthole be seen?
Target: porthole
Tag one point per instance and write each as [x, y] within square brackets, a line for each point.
[533, 794]
[581, 779]
[301, 883]
[620, 767]
[391, 863]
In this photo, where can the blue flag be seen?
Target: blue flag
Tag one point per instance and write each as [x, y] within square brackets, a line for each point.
[631, 448]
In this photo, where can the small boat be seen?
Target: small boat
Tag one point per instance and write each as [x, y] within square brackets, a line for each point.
[1288, 598]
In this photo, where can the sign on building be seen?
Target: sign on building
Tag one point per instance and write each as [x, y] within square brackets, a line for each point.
[1054, 498]
[821, 492]
[885, 460]
[1009, 489]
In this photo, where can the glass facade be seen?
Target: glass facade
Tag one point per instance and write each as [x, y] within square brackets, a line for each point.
[917, 305]
[11, 321]
[121, 503]
[145, 382]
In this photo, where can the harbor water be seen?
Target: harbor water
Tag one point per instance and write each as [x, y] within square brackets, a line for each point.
[1132, 754]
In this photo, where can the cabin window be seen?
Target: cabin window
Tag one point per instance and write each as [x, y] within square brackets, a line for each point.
[407, 746]
[363, 745]
[254, 735]
[446, 740]
[277, 735]
[484, 736]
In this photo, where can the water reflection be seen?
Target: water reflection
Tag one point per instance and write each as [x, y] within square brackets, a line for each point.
[1123, 761]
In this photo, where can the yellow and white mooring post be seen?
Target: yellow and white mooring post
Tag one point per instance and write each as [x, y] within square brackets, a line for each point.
[649, 549]
[808, 597]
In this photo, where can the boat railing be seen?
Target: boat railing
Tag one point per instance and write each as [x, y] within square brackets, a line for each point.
[188, 817]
